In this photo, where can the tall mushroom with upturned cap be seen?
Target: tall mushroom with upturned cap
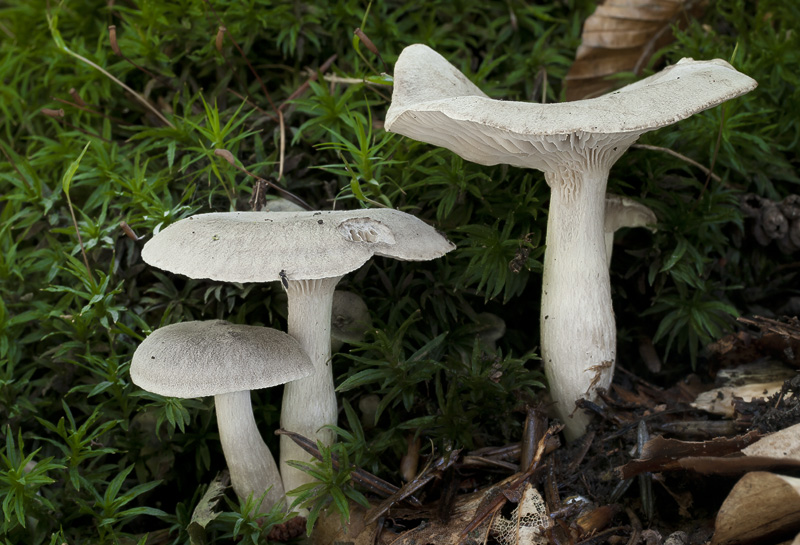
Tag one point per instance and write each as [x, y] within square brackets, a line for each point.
[574, 144]
[308, 252]
[198, 359]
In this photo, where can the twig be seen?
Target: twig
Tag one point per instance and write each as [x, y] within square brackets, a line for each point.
[682, 157]
[497, 503]
[82, 106]
[313, 77]
[249, 102]
[62, 45]
[432, 470]
[364, 478]
[282, 145]
[228, 156]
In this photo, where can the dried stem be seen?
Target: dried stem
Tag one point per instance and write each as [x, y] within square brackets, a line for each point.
[61, 45]
[683, 158]
[282, 145]
[82, 106]
[80, 238]
[313, 77]
[228, 156]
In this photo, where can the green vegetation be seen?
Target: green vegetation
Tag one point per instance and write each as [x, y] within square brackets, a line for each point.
[89, 457]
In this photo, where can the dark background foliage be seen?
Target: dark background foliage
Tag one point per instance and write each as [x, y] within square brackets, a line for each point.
[89, 457]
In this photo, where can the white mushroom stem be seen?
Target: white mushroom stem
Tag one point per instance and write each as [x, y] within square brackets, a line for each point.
[252, 467]
[577, 321]
[309, 403]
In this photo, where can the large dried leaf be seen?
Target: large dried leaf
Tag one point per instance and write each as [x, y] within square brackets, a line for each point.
[204, 513]
[720, 400]
[621, 36]
[781, 444]
[528, 521]
[761, 508]
[660, 454]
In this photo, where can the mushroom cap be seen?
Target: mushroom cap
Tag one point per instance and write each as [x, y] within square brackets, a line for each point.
[203, 358]
[350, 318]
[624, 212]
[491, 327]
[434, 102]
[308, 245]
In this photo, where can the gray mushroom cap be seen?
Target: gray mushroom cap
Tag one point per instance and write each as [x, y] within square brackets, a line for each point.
[204, 358]
[434, 102]
[261, 246]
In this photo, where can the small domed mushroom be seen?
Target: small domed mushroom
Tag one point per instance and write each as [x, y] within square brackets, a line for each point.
[203, 358]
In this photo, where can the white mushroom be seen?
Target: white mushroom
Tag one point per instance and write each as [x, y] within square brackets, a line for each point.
[350, 319]
[308, 252]
[574, 144]
[197, 359]
[624, 212]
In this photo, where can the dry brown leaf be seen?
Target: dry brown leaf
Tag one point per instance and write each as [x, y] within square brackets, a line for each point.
[660, 454]
[527, 523]
[762, 507]
[621, 36]
[329, 530]
[781, 444]
[720, 400]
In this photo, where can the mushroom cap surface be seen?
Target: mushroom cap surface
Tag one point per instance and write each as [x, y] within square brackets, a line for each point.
[434, 102]
[203, 358]
[308, 245]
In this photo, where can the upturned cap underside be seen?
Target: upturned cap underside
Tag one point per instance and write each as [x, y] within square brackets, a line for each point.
[434, 102]
[624, 212]
[203, 358]
[261, 246]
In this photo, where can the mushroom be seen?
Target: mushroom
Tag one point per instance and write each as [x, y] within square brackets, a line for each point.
[490, 329]
[350, 319]
[308, 252]
[624, 212]
[197, 359]
[574, 144]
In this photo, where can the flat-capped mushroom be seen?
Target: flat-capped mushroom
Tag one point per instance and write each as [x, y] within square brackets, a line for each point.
[308, 252]
[574, 144]
[203, 358]
[624, 212]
